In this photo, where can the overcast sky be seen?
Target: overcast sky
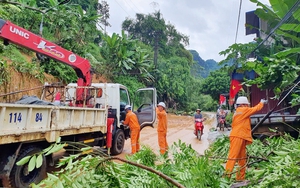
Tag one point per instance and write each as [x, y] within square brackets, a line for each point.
[210, 24]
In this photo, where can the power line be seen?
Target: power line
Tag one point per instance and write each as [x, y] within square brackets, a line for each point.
[136, 6]
[238, 22]
[282, 21]
[130, 6]
[122, 8]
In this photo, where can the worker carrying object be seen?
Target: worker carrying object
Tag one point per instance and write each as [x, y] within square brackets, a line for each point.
[132, 121]
[162, 127]
[240, 136]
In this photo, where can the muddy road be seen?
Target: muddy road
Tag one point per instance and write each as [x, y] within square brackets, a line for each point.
[180, 127]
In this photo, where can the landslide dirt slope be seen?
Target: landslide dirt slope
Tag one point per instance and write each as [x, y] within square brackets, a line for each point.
[10, 91]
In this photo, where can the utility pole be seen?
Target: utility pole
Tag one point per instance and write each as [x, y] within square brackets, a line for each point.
[156, 39]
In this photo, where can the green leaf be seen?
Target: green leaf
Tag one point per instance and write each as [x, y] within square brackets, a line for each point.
[31, 164]
[279, 7]
[287, 52]
[52, 3]
[48, 148]
[290, 27]
[39, 161]
[286, 34]
[59, 184]
[85, 148]
[23, 161]
[53, 177]
[58, 140]
[55, 148]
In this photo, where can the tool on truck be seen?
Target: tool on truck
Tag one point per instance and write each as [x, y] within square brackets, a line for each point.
[91, 113]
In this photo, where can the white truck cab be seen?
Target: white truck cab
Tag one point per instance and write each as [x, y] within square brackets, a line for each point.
[116, 96]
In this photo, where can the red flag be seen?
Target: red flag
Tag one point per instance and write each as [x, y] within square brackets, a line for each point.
[222, 99]
[235, 87]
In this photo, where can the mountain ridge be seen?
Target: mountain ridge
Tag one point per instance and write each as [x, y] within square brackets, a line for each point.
[202, 68]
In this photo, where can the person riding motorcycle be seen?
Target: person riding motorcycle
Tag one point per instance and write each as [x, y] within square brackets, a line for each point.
[222, 115]
[198, 115]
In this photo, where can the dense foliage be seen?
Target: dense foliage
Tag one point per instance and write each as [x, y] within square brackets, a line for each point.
[271, 163]
[216, 83]
[275, 162]
[150, 52]
[277, 58]
[172, 63]
[182, 166]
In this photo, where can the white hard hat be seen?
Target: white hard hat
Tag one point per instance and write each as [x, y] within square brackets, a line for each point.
[162, 104]
[127, 106]
[242, 100]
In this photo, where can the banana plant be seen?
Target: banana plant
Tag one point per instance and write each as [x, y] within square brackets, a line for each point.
[277, 64]
[123, 55]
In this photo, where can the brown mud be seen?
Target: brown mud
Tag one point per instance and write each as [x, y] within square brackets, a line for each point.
[180, 128]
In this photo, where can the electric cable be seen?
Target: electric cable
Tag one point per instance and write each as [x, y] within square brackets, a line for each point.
[238, 22]
[282, 21]
[122, 8]
[130, 6]
[136, 7]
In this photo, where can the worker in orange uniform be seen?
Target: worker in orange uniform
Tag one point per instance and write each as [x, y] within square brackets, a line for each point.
[132, 121]
[240, 136]
[162, 127]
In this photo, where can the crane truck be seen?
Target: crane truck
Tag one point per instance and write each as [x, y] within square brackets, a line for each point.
[91, 112]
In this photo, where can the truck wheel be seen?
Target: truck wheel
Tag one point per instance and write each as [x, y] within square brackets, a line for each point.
[20, 177]
[118, 142]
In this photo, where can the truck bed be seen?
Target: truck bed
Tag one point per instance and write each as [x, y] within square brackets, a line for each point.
[279, 122]
[19, 122]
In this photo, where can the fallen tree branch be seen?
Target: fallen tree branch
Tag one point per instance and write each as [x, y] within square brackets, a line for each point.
[243, 183]
[143, 167]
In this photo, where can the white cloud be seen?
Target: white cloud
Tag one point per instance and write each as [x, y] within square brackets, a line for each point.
[210, 24]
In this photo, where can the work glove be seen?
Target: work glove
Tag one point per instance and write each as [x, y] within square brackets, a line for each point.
[264, 101]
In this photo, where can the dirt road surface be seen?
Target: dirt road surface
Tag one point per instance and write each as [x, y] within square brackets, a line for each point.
[179, 127]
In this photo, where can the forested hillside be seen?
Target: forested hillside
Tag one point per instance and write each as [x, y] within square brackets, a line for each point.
[149, 52]
[202, 68]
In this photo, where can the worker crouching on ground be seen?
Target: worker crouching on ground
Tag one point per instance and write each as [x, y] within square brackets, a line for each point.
[240, 136]
[162, 127]
[132, 121]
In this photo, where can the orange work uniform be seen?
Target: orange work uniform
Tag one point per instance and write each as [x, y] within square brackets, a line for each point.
[240, 136]
[132, 121]
[162, 130]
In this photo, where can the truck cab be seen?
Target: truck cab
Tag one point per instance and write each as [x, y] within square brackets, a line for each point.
[115, 97]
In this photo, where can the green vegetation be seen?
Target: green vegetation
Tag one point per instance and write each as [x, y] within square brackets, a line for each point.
[277, 64]
[159, 59]
[271, 163]
[19, 63]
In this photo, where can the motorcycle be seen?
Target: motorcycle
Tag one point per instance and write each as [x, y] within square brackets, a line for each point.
[222, 122]
[199, 127]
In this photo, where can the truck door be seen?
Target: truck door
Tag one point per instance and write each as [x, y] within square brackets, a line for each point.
[144, 106]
